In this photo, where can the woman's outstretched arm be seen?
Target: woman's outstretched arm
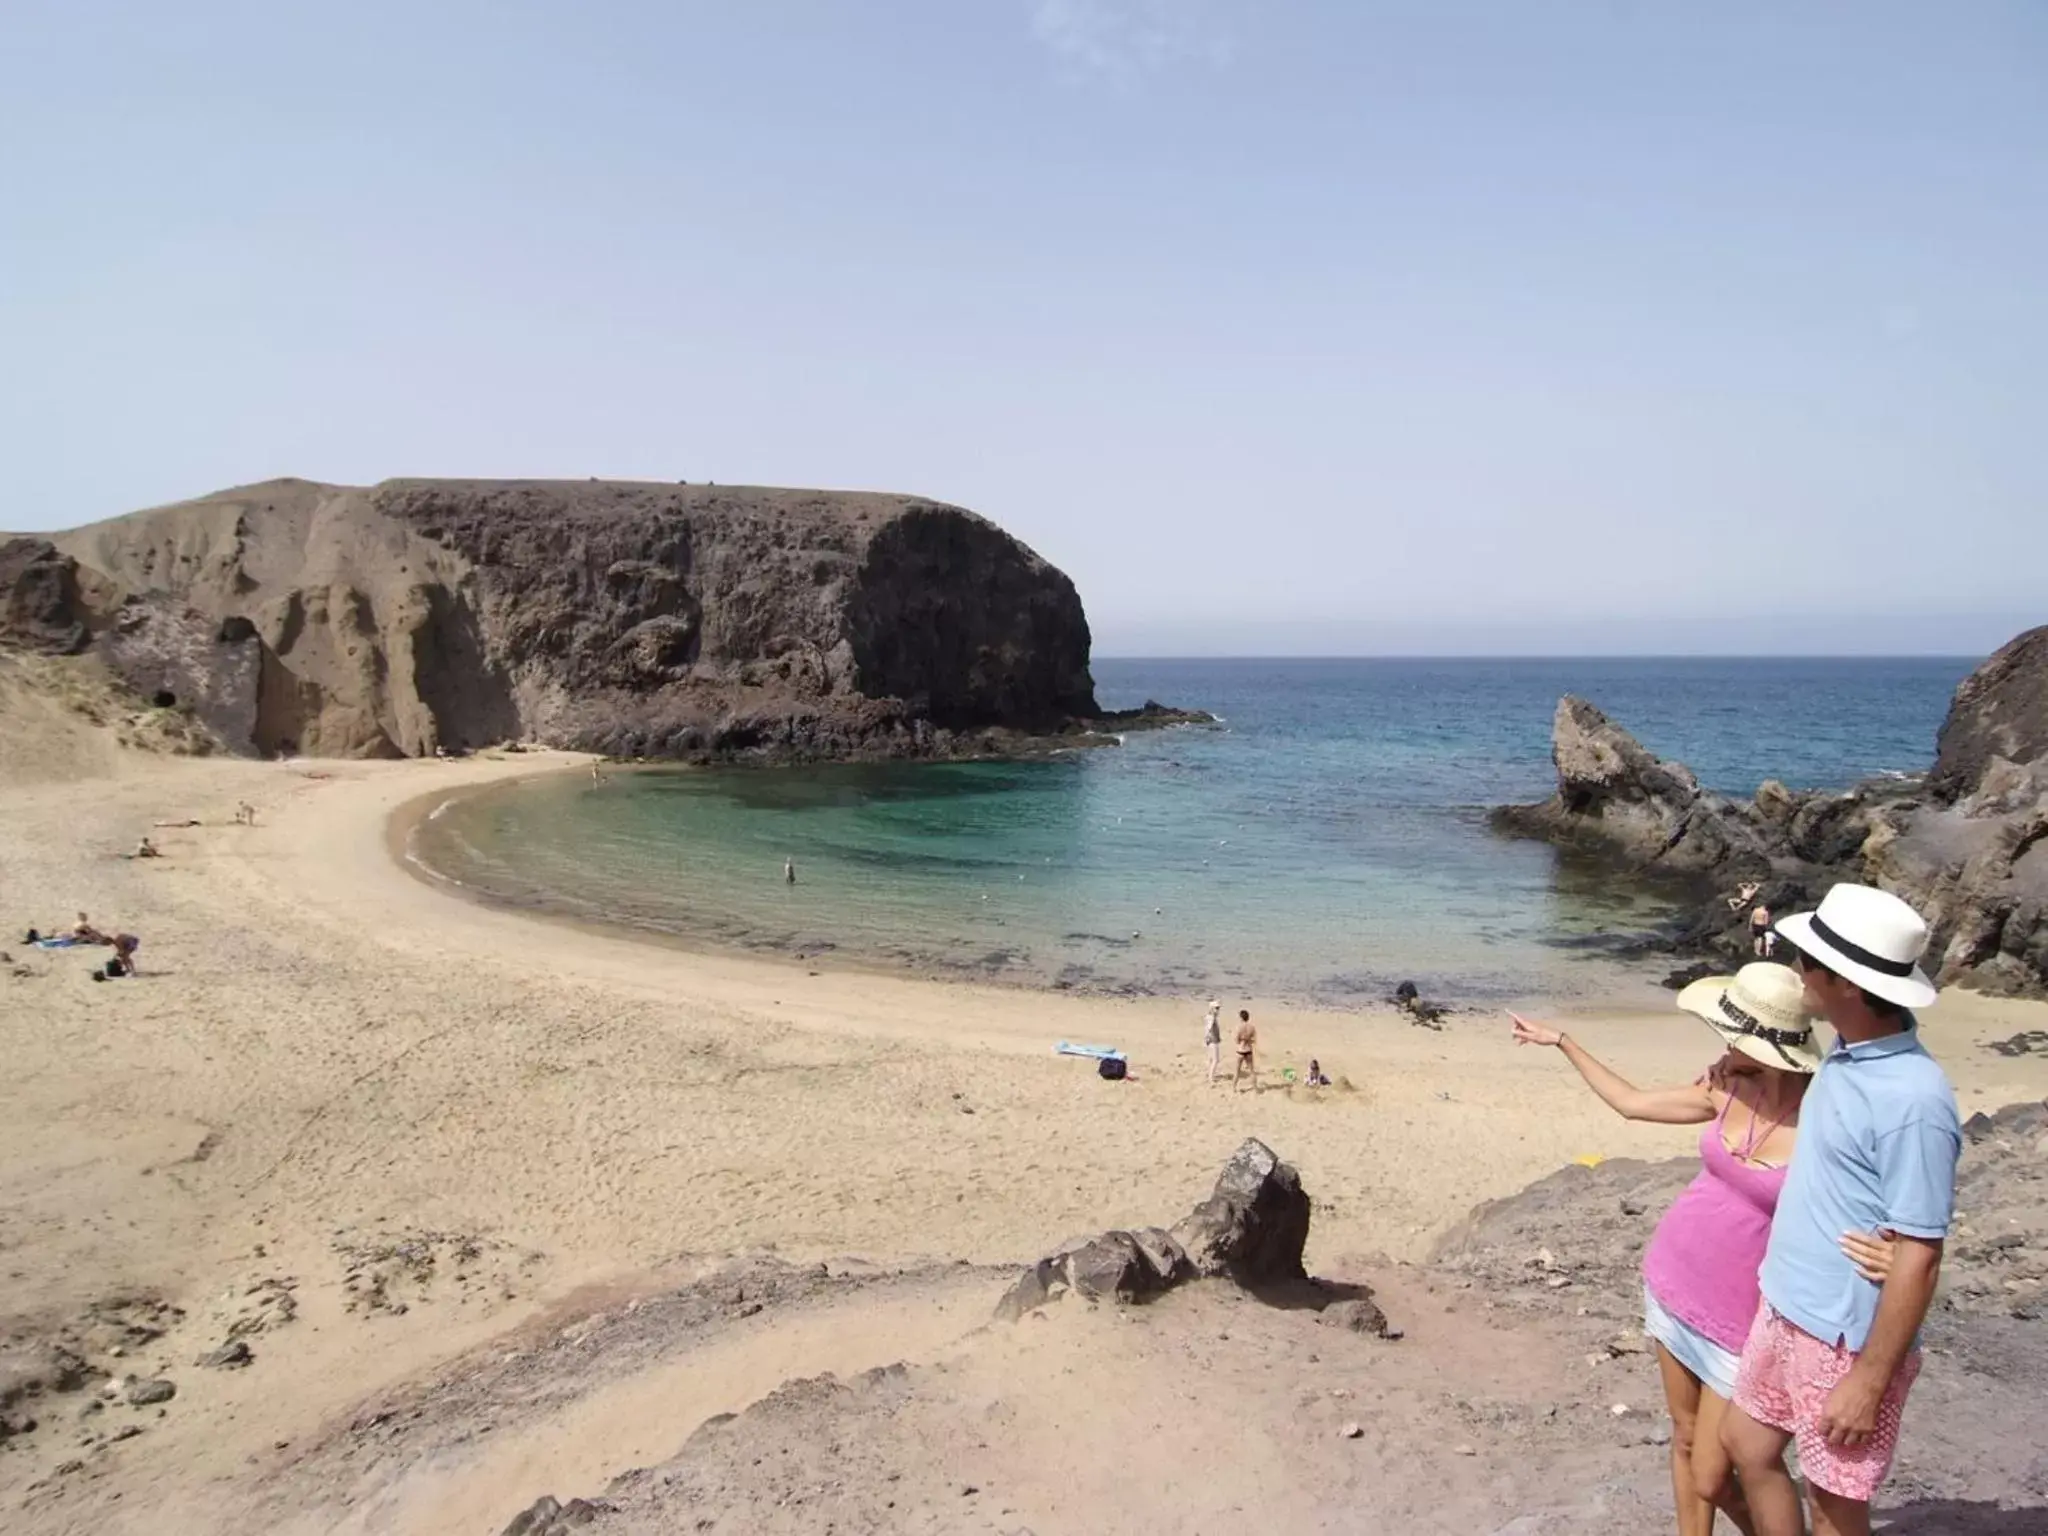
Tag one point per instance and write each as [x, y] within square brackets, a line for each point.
[1692, 1104]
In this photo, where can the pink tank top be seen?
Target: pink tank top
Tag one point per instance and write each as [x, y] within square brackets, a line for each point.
[1702, 1261]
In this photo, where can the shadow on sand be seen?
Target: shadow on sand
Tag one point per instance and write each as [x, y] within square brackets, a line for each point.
[1961, 1517]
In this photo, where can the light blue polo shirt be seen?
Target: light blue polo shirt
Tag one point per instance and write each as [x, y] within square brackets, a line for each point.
[1877, 1147]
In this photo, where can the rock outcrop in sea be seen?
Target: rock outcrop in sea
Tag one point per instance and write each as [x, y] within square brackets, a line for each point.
[1967, 846]
[634, 619]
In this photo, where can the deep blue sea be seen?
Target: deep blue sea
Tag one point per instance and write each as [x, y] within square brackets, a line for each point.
[1325, 841]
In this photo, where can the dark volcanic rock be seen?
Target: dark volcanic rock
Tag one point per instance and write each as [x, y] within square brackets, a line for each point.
[633, 619]
[1617, 798]
[1586, 1226]
[1357, 1315]
[1254, 1225]
[31, 1367]
[40, 606]
[1969, 849]
[232, 1355]
[548, 1516]
[1252, 1228]
[2000, 711]
[1111, 1266]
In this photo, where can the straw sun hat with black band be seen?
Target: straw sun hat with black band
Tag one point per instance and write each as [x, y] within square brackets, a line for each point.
[1761, 1012]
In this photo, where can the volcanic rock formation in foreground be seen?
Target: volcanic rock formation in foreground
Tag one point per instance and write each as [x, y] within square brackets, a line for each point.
[629, 618]
[1968, 846]
[1525, 1403]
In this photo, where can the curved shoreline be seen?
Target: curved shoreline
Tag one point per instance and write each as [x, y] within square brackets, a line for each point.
[1604, 982]
[405, 821]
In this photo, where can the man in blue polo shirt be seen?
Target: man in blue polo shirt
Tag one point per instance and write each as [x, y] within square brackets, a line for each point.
[1832, 1356]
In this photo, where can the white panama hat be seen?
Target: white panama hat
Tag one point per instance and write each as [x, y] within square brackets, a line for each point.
[1760, 1011]
[1869, 936]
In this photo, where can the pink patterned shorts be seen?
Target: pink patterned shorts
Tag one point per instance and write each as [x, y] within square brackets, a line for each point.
[1784, 1381]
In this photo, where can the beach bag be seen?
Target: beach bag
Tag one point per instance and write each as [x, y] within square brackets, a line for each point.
[1111, 1068]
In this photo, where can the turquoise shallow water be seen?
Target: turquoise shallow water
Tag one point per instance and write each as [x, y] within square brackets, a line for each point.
[1325, 842]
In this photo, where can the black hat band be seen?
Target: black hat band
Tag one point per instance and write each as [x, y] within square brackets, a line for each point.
[1777, 1039]
[1857, 952]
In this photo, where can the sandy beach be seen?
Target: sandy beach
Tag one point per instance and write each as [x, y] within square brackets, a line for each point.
[326, 1058]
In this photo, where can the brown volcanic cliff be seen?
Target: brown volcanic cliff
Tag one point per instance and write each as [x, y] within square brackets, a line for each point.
[630, 618]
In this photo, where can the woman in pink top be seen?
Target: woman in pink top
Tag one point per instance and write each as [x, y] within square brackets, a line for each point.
[1699, 1275]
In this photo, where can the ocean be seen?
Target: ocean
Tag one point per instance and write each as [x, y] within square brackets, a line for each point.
[1324, 842]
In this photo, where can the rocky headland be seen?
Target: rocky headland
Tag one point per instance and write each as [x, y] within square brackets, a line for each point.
[678, 621]
[1967, 845]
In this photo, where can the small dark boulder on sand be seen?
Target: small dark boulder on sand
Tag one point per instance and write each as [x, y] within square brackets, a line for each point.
[1254, 1225]
[1357, 1315]
[230, 1356]
[547, 1516]
[1252, 1228]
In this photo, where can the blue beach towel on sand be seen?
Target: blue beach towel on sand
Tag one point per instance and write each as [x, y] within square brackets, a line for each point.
[1093, 1052]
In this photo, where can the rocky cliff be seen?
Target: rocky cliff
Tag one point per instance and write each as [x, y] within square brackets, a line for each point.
[1968, 847]
[634, 619]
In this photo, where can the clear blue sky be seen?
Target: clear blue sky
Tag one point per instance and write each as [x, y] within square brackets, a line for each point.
[1325, 326]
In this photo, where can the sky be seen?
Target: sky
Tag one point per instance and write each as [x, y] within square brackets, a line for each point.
[1323, 326]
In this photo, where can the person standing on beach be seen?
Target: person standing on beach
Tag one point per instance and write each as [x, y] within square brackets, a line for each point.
[1700, 1271]
[1212, 1038]
[1761, 940]
[1247, 1047]
[1831, 1357]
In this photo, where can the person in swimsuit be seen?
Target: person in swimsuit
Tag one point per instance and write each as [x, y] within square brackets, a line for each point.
[1247, 1045]
[1700, 1271]
[1761, 940]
